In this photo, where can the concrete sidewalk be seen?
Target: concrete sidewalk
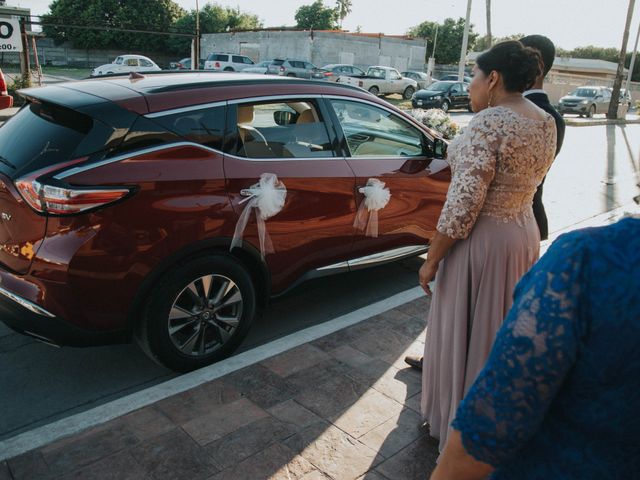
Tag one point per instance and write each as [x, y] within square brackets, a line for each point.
[342, 406]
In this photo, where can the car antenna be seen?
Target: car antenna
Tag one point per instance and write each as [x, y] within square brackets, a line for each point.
[136, 76]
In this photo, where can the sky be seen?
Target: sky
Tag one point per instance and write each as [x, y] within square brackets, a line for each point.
[569, 23]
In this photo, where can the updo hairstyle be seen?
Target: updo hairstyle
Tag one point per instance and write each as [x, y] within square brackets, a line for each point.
[518, 65]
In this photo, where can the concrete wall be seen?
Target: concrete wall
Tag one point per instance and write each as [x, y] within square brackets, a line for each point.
[320, 48]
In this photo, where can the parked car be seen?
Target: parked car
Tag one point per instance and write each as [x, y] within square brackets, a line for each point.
[585, 101]
[126, 64]
[383, 81]
[184, 64]
[421, 78]
[289, 67]
[119, 201]
[334, 71]
[227, 62]
[6, 100]
[625, 97]
[258, 67]
[454, 78]
[443, 95]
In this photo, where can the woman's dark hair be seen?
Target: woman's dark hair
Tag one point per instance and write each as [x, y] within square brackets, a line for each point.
[546, 48]
[519, 65]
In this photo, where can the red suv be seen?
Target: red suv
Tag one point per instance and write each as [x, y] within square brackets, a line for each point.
[120, 199]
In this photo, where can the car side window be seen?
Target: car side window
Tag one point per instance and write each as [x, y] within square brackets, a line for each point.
[606, 94]
[455, 89]
[132, 62]
[374, 132]
[393, 75]
[145, 63]
[247, 60]
[279, 129]
[203, 126]
[308, 66]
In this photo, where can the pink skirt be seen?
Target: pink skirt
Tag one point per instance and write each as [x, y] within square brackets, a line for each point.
[473, 292]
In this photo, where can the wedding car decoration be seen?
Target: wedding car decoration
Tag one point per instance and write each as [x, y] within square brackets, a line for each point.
[376, 197]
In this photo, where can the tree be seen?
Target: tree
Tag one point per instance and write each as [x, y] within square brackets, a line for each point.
[213, 19]
[488, 12]
[151, 15]
[612, 113]
[484, 43]
[316, 16]
[343, 8]
[450, 35]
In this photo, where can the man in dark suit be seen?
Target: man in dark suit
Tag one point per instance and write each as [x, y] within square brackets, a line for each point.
[538, 96]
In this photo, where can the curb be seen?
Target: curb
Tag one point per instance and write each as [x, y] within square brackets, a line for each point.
[604, 121]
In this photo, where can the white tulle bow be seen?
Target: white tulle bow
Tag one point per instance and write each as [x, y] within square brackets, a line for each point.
[376, 197]
[267, 197]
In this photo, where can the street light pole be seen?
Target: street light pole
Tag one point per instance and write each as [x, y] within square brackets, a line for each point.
[195, 65]
[465, 41]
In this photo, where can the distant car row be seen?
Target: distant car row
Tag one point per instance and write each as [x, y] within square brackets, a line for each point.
[588, 100]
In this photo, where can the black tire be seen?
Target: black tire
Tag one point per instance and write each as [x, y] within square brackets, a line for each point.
[215, 338]
[591, 111]
[229, 69]
[408, 93]
[291, 74]
[374, 90]
[469, 107]
[445, 106]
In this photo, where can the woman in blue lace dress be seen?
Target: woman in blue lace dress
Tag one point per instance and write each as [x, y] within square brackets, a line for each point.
[559, 397]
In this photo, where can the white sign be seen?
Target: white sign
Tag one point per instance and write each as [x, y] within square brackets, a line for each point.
[10, 40]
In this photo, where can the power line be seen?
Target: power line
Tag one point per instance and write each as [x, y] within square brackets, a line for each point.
[113, 29]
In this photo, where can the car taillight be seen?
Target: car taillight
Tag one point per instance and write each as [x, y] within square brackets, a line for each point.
[66, 200]
[328, 74]
[282, 69]
[3, 84]
[217, 64]
[360, 83]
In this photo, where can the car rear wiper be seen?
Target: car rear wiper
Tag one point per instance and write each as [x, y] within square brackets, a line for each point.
[7, 162]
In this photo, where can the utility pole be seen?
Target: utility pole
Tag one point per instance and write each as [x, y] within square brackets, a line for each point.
[24, 57]
[465, 41]
[633, 61]
[617, 83]
[195, 63]
[489, 40]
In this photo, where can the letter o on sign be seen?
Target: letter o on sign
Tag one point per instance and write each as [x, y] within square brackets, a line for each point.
[6, 30]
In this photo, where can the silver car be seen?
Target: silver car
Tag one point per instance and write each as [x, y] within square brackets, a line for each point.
[290, 67]
[586, 101]
[422, 78]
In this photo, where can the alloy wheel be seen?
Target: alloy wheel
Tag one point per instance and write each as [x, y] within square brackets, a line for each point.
[205, 315]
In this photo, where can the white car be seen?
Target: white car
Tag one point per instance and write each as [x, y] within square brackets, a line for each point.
[258, 67]
[126, 64]
[227, 62]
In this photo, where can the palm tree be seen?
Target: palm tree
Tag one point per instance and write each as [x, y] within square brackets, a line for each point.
[617, 83]
[343, 8]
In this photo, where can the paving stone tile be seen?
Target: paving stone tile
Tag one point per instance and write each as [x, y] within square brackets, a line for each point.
[333, 452]
[333, 340]
[372, 475]
[414, 462]
[315, 475]
[399, 384]
[384, 344]
[416, 308]
[29, 465]
[294, 414]
[198, 401]
[222, 420]
[333, 397]
[261, 385]
[119, 466]
[277, 462]
[147, 423]
[368, 412]
[352, 357]
[395, 434]
[414, 402]
[294, 360]
[248, 440]
[71, 453]
[176, 456]
[412, 327]
[313, 376]
[415, 349]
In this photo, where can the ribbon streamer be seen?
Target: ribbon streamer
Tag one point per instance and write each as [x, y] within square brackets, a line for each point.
[267, 197]
[376, 197]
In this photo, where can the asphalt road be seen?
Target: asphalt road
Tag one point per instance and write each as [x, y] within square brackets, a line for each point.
[597, 170]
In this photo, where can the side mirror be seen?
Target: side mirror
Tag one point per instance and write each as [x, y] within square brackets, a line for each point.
[439, 148]
[283, 117]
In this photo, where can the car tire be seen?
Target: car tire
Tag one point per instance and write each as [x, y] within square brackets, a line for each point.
[229, 69]
[214, 322]
[591, 111]
[445, 106]
[374, 91]
[408, 93]
[291, 74]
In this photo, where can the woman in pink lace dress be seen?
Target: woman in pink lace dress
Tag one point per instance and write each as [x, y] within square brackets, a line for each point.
[487, 235]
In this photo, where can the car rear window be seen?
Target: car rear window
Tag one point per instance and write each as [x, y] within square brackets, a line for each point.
[277, 62]
[217, 57]
[41, 135]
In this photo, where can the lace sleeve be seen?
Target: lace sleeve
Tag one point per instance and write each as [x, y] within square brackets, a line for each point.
[533, 351]
[472, 172]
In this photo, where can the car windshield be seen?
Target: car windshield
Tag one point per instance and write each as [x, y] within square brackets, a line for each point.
[584, 92]
[439, 86]
[376, 73]
[118, 60]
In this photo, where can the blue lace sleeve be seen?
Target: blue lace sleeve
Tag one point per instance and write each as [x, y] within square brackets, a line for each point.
[533, 351]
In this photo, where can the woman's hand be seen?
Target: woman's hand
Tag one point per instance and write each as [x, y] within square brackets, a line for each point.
[426, 274]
